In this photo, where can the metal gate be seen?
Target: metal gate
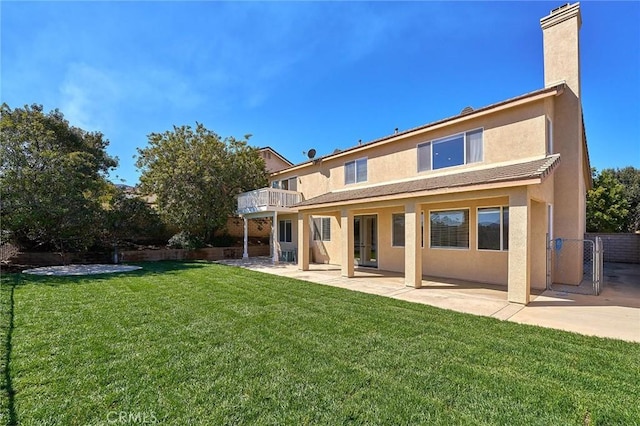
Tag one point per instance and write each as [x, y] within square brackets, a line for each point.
[564, 254]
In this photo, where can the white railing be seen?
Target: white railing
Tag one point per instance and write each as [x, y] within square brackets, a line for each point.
[267, 199]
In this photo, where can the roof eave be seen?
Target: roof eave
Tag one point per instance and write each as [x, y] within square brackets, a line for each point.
[554, 90]
[277, 155]
[428, 192]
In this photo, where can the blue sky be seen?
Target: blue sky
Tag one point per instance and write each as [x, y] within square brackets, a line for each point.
[301, 75]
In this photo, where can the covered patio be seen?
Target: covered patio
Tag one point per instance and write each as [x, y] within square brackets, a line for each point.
[614, 314]
[458, 295]
[432, 226]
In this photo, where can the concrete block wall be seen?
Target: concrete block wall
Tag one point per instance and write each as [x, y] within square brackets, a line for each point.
[213, 253]
[257, 228]
[621, 248]
[52, 259]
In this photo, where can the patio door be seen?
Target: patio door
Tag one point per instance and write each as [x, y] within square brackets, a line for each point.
[365, 240]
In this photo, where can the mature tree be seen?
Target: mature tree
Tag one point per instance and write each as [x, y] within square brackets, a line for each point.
[196, 175]
[128, 218]
[607, 206]
[629, 177]
[51, 178]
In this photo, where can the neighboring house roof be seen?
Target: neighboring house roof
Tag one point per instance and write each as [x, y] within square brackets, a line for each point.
[465, 115]
[535, 169]
[125, 188]
[273, 151]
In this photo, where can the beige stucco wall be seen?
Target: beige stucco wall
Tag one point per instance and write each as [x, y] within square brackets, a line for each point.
[562, 62]
[538, 250]
[294, 232]
[327, 251]
[321, 251]
[468, 264]
[273, 163]
[510, 135]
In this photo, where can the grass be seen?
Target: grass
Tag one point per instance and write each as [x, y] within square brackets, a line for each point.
[197, 343]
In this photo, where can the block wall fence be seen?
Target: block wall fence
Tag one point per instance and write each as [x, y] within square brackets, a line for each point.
[621, 248]
[213, 253]
[257, 228]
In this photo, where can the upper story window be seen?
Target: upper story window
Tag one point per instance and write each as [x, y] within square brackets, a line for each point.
[463, 148]
[290, 184]
[355, 171]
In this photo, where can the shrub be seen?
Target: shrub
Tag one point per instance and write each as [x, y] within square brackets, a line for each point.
[224, 240]
[184, 240]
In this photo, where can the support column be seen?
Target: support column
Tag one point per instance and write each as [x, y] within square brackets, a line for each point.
[519, 278]
[346, 231]
[274, 239]
[412, 245]
[303, 241]
[245, 253]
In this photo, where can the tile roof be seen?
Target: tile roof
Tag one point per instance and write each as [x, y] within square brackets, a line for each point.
[508, 173]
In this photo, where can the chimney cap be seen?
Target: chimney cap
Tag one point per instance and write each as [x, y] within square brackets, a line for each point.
[558, 8]
[561, 14]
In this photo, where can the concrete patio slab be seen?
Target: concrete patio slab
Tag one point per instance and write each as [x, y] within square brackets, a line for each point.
[77, 270]
[615, 313]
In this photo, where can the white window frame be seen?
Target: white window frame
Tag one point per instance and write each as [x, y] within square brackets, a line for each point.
[548, 135]
[501, 214]
[366, 161]
[294, 178]
[319, 224]
[445, 139]
[550, 220]
[468, 229]
[282, 224]
[421, 229]
[392, 229]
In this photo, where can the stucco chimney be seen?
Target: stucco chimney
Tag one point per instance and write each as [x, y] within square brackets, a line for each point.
[561, 46]
[571, 179]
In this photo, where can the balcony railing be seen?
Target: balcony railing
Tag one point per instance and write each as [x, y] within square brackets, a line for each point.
[267, 199]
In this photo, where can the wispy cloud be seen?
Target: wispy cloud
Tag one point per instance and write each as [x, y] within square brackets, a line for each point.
[88, 96]
[257, 47]
[92, 98]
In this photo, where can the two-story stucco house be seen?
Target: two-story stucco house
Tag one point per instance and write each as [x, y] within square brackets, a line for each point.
[472, 197]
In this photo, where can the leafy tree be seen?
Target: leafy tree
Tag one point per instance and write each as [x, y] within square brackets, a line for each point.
[127, 218]
[607, 206]
[51, 178]
[196, 175]
[629, 177]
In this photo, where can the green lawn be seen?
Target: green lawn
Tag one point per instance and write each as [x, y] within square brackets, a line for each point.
[198, 343]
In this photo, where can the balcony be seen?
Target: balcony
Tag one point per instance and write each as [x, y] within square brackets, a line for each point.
[268, 200]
